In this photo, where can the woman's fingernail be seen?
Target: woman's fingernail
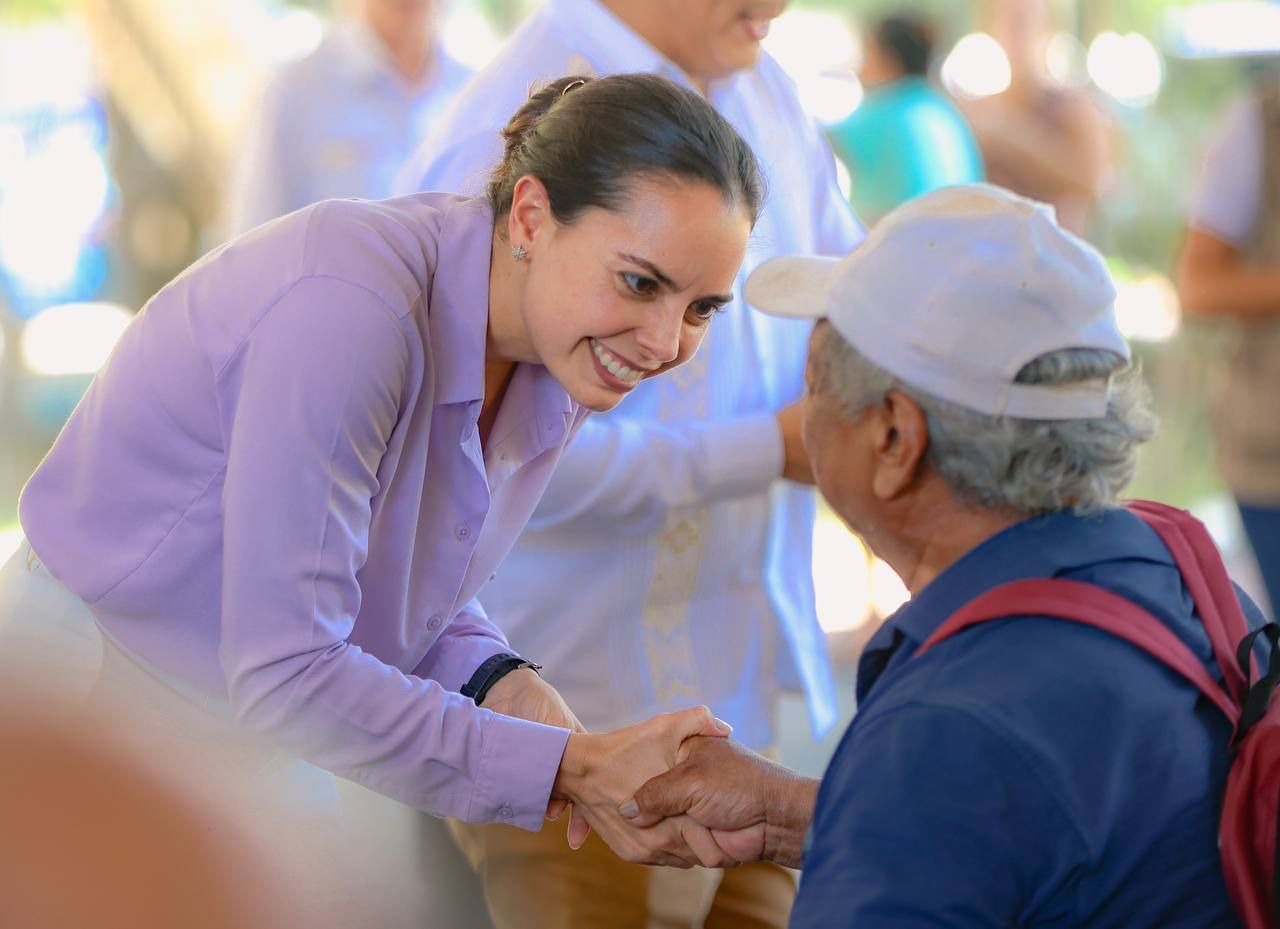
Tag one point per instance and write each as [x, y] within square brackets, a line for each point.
[629, 810]
[723, 726]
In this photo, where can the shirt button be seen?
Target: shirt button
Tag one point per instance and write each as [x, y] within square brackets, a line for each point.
[464, 532]
[434, 622]
[505, 811]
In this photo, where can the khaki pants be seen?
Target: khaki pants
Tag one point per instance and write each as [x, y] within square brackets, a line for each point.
[535, 881]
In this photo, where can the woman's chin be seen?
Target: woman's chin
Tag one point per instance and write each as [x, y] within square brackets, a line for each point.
[599, 401]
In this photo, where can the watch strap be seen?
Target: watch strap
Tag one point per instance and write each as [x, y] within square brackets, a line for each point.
[491, 671]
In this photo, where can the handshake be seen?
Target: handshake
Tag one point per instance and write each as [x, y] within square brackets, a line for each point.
[673, 790]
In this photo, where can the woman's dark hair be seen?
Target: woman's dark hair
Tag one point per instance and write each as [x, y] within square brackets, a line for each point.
[588, 140]
[908, 40]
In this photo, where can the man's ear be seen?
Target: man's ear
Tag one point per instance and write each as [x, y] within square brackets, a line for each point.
[902, 438]
[530, 213]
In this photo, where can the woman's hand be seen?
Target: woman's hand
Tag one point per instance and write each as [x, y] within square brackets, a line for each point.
[600, 772]
[525, 695]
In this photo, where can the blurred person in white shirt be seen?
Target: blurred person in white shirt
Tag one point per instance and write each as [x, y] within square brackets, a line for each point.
[669, 562]
[341, 121]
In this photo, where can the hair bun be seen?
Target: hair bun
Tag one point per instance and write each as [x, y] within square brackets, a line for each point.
[517, 130]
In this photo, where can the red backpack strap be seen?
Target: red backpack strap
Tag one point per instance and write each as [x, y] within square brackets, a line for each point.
[1211, 589]
[1091, 605]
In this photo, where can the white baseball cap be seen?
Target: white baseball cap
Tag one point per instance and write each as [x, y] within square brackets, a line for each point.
[957, 290]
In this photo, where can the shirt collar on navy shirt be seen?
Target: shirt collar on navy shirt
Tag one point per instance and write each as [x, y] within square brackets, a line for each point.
[1045, 546]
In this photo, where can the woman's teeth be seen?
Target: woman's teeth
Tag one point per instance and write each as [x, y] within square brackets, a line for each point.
[614, 366]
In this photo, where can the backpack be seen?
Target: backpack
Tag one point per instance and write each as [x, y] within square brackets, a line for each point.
[1247, 834]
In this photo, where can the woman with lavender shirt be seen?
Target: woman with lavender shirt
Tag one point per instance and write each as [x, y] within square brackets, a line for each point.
[310, 451]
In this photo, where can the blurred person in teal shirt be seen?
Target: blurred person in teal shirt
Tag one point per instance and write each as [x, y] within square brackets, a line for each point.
[906, 138]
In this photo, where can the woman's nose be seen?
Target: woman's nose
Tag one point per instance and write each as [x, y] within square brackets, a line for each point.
[660, 336]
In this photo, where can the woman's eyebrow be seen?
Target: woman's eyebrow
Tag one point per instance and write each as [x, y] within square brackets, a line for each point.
[652, 268]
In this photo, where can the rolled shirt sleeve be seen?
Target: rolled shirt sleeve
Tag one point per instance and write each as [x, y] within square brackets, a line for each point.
[319, 393]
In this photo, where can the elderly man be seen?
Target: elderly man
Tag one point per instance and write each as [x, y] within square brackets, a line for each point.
[973, 416]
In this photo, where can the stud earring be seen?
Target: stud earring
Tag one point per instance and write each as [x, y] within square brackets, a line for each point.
[518, 252]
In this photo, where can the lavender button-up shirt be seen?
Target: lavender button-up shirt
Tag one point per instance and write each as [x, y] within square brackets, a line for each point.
[275, 490]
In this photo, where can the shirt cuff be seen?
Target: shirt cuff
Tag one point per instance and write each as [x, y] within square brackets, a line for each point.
[744, 456]
[518, 764]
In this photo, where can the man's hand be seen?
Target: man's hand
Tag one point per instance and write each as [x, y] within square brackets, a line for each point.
[525, 695]
[755, 809]
[795, 462]
[599, 772]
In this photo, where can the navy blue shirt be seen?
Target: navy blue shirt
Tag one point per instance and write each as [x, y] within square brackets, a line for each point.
[1029, 772]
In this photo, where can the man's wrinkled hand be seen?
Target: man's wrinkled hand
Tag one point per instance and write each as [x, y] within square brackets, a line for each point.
[754, 808]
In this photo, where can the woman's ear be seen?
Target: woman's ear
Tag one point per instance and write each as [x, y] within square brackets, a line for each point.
[530, 213]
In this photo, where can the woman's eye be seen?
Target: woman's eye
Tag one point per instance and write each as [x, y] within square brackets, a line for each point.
[639, 284]
[703, 312]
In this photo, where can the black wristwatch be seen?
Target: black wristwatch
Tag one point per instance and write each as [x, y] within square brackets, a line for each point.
[492, 671]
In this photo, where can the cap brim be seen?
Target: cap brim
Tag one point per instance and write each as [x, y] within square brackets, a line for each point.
[793, 286]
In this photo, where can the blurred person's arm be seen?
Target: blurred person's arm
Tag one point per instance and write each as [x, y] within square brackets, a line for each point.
[1214, 279]
[626, 474]
[1073, 159]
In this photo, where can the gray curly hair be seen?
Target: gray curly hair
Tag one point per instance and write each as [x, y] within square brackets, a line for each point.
[1026, 466]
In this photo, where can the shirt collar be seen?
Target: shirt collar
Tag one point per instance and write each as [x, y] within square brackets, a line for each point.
[1046, 546]
[458, 302]
[367, 61]
[608, 44]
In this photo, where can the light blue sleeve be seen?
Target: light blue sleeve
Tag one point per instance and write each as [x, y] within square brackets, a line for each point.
[452, 165]
[838, 229]
[1226, 200]
[627, 474]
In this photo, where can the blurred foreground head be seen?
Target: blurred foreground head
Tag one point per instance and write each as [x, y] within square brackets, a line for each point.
[96, 837]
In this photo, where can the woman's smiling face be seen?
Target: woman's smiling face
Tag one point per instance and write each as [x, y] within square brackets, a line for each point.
[619, 296]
